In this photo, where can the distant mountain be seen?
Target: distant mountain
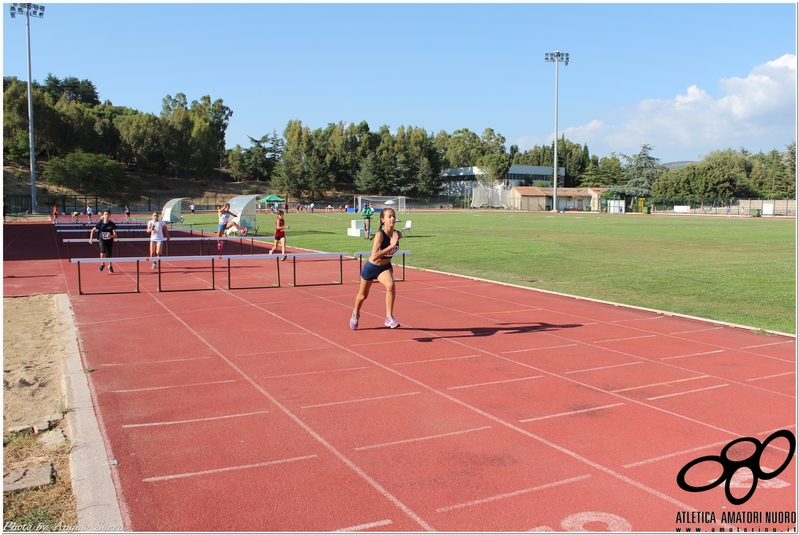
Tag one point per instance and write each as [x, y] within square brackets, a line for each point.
[675, 165]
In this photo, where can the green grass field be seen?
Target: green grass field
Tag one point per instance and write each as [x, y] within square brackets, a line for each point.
[738, 270]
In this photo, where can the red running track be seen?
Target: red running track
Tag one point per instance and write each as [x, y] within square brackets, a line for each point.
[493, 408]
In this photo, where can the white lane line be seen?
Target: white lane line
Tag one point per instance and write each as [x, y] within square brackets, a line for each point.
[315, 373]
[361, 527]
[572, 412]
[687, 392]
[698, 330]
[604, 367]
[172, 386]
[294, 417]
[194, 420]
[383, 343]
[771, 376]
[675, 454]
[151, 362]
[359, 400]
[422, 438]
[495, 382]
[512, 494]
[226, 469]
[624, 339]
[435, 360]
[537, 349]
[717, 351]
[771, 344]
[637, 319]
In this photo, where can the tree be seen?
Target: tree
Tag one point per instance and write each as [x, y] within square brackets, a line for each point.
[494, 168]
[428, 181]
[319, 177]
[237, 164]
[75, 91]
[141, 141]
[368, 178]
[640, 172]
[86, 173]
[463, 148]
[291, 174]
[217, 115]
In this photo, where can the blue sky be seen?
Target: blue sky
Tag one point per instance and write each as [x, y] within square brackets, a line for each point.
[685, 78]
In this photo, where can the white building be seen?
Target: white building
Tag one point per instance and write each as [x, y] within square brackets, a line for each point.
[459, 181]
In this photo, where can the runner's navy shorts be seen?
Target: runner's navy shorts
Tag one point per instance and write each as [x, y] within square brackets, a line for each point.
[370, 271]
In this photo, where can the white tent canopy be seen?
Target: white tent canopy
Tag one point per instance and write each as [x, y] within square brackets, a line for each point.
[244, 208]
[171, 211]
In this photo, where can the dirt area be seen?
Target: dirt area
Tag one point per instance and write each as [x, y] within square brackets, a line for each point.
[33, 359]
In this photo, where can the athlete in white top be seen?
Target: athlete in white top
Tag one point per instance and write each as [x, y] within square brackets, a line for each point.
[159, 233]
[225, 223]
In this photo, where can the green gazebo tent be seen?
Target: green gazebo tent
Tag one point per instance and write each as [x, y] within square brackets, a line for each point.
[271, 198]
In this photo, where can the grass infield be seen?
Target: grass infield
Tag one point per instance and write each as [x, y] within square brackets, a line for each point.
[737, 270]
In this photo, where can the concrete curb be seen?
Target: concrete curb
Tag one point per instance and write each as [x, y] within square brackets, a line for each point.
[92, 483]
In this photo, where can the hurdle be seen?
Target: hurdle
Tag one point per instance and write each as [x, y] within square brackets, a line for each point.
[295, 256]
[80, 261]
[188, 259]
[367, 254]
[227, 258]
[138, 261]
[201, 239]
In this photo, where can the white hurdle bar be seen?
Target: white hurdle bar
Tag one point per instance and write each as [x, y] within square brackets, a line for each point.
[227, 258]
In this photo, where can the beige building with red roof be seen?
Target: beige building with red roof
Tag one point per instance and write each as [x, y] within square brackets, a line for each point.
[534, 199]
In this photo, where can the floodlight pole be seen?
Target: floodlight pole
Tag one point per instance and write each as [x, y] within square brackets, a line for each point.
[36, 11]
[556, 57]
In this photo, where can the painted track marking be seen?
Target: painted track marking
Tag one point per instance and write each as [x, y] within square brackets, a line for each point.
[706, 330]
[605, 367]
[195, 420]
[572, 412]
[767, 345]
[296, 419]
[537, 349]
[435, 360]
[226, 469]
[687, 392]
[362, 527]
[496, 382]
[675, 454]
[151, 362]
[702, 354]
[512, 494]
[637, 319]
[624, 339]
[771, 376]
[431, 437]
[359, 400]
[172, 386]
[316, 372]
[664, 383]
[700, 448]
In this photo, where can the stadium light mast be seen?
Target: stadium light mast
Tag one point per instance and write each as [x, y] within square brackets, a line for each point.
[30, 10]
[556, 57]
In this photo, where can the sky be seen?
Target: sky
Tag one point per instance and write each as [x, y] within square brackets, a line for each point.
[684, 78]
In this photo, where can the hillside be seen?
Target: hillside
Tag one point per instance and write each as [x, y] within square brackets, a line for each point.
[676, 165]
[16, 181]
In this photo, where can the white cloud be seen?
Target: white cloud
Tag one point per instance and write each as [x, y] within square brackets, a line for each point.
[756, 112]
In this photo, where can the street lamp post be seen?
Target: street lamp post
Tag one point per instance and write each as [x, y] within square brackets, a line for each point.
[556, 57]
[30, 10]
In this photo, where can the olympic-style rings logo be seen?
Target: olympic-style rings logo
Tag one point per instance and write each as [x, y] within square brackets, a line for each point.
[730, 467]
